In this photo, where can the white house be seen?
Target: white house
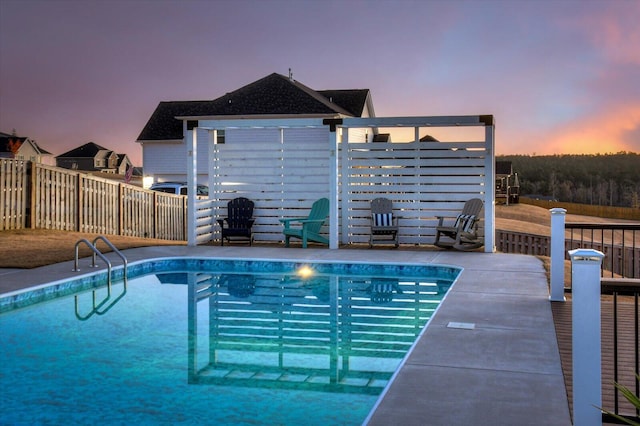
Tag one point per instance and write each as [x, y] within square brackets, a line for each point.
[284, 145]
[23, 148]
[273, 97]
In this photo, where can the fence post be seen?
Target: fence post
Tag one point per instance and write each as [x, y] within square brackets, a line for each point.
[586, 336]
[557, 254]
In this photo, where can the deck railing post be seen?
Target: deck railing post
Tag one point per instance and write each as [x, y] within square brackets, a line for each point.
[586, 339]
[557, 254]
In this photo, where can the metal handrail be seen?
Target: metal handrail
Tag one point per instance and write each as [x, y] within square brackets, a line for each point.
[594, 234]
[624, 287]
[96, 308]
[112, 247]
[95, 251]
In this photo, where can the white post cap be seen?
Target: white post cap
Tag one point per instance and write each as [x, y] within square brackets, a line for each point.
[588, 255]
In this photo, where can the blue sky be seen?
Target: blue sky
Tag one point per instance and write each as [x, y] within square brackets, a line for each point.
[559, 76]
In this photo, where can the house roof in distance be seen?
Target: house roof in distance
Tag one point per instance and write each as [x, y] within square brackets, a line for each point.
[274, 94]
[88, 150]
[10, 143]
[504, 168]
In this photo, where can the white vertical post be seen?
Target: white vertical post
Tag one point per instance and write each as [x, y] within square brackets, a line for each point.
[334, 335]
[192, 327]
[344, 185]
[212, 164]
[587, 378]
[557, 254]
[333, 191]
[490, 189]
[212, 178]
[192, 173]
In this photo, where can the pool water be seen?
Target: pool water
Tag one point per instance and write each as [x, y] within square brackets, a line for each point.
[187, 341]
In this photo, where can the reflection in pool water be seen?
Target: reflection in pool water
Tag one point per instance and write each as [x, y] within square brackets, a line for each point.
[214, 347]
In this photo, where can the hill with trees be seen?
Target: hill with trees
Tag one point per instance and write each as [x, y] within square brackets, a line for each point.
[602, 179]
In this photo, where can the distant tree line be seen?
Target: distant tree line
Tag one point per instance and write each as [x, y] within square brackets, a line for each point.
[602, 179]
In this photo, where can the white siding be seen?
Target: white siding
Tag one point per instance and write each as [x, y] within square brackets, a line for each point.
[424, 180]
[284, 166]
[282, 170]
[167, 161]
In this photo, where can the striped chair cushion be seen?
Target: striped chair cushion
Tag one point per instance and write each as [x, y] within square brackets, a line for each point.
[465, 222]
[382, 219]
[471, 220]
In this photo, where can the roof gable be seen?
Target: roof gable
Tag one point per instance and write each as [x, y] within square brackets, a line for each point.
[274, 94]
[38, 148]
[11, 143]
[353, 101]
[88, 150]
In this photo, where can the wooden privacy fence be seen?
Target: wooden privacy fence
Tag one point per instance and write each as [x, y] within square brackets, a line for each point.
[13, 193]
[43, 197]
[519, 242]
[285, 170]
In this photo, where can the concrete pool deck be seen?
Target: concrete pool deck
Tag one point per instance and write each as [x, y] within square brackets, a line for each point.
[489, 356]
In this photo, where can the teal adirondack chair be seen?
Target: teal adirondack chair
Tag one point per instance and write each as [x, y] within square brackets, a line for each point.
[310, 225]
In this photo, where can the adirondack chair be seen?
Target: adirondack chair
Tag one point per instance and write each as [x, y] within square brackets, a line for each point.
[463, 234]
[383, 289]
[239, 221]
[309, 227]
[384, 225]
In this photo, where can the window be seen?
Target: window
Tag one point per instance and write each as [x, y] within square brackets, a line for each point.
[221, 137]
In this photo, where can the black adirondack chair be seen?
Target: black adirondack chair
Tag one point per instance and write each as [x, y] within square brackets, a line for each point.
[237, 225]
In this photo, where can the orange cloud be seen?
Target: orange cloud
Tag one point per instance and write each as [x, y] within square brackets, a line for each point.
[605, 133]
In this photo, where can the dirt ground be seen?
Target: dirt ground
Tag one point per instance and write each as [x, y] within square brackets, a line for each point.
[31, 248]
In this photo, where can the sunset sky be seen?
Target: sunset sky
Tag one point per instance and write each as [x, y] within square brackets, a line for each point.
[559, 76]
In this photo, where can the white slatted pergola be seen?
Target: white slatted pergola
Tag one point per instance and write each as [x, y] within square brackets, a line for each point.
[284, 165]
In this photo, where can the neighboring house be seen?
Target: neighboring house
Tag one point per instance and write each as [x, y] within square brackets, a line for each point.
[123, 164]
[93, 157]
[507, 185]
[23, 148]
[273, 97]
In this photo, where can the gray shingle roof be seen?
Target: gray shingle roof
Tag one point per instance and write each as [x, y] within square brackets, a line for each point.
[274, 94]
[88, 150]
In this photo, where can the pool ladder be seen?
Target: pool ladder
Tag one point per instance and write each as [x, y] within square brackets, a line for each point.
[94, 249]
[97, 307]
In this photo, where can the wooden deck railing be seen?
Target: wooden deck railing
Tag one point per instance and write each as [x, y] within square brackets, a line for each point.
[619, 242]
[625, 343]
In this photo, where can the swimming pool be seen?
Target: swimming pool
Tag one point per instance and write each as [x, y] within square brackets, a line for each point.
[193, 341]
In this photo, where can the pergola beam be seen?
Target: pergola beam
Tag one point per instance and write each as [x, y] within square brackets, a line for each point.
[436, 121]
